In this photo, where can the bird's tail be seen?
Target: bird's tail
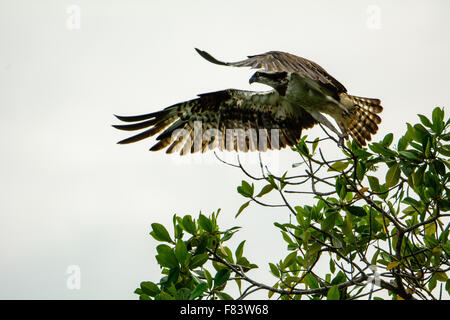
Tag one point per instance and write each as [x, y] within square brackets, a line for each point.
[362, 120]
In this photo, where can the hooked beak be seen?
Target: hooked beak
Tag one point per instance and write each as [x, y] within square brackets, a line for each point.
[254, 78]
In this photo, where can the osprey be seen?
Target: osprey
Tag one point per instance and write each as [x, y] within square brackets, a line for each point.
[243, 120]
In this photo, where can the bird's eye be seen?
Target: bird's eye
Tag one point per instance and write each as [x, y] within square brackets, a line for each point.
[257, 74]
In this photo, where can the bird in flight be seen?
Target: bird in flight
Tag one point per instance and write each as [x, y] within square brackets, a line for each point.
[241, 120]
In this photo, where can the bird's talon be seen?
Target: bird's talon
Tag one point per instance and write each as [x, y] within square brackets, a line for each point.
[345, 113]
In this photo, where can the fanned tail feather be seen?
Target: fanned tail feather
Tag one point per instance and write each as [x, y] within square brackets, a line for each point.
[362, 121]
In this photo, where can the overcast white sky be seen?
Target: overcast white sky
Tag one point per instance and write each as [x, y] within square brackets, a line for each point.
[70, 196]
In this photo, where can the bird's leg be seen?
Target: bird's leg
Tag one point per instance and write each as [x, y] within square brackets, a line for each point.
[343, 136]
[345, 111]
[323, 120]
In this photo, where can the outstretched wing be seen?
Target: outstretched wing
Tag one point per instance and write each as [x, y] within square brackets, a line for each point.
[228, 120]
[277, 61]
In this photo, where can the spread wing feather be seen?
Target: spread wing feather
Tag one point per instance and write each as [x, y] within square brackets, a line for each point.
[227, 120]
[277, 61]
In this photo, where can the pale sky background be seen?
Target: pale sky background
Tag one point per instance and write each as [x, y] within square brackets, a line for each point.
[69, 195]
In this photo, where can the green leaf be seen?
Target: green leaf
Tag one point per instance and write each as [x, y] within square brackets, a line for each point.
[430, 241]
[388, 140]
[201, 243]
[239, 284]
[338, 166]
[177, 227]
[183, 294]
[438, 120]
[246, 189]
[375, 257]
[374, 183]
[289, 259]
[189, 225]
[302, 216]
[274, 270]
[282, 181]
[329, 222]
[347, 226]
[198, 260]
[333, 293]
[279, 225]
[439, 166]
[444, 205]
[432, 283]
[166, 257]
[266, 189]
[360, 170]
[181, 252]
[245, 205]
[221, 277]
[311, 281]
[420, 134]
[425, 121]
[205, 223]
[227, 234]
[287, 238]
[393, 175]
[149, 288]
[430, 229]
[208, 278]
[356, 211]
[381, 149]
[306, 236]
[411, 201]
[271, 293]
[271, 180]
[198, 291]
[341, 188]
[144, 297]
[173, 275]
[224, 296]
[402, 143]
[340, 278]
[303, 148]
[418, 175]
[242, 261]
[315, 144]
[160, 233]
[384, 192]
[332, 266]
[239, 250]
[410, 155]
[165, 296]
[441, 276]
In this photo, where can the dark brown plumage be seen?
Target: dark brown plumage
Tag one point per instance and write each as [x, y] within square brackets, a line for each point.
[278, 61]
[248, 116]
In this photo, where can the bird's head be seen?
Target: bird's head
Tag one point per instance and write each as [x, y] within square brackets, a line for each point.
[276, 80]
